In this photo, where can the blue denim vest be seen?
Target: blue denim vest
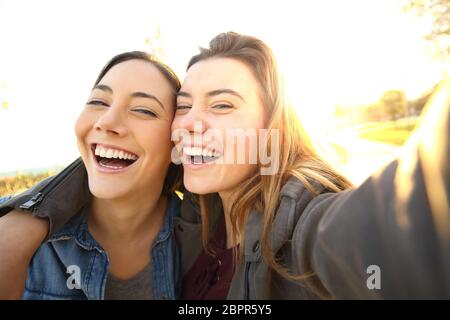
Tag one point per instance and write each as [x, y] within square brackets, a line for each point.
[72, 265]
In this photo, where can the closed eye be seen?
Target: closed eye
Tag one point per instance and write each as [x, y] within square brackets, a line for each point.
[146, 112]
[181, 107]
[222, 106]
[97, 103]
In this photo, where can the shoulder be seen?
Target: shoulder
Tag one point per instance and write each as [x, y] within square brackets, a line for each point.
[299, 205]
[295, 192]
[294, 200]
[48, 275]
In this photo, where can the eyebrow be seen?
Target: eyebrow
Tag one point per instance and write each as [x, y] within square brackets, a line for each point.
[148, 96]
[183, 94]
[221, 91]
[212, 93]
[103, 88]
[133, 95]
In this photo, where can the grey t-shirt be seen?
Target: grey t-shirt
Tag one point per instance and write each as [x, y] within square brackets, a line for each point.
[138, 287]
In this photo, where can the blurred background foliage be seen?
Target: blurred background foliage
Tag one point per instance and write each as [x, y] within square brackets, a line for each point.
[22, 181]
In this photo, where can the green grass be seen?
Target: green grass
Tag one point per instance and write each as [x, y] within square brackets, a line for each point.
[395, 133]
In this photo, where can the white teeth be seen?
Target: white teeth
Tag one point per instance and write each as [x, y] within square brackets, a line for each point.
[130, 156]
[197, 151]
[113, 153]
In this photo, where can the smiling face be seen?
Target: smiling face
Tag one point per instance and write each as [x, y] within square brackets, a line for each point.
[124, 131]
[219, 94]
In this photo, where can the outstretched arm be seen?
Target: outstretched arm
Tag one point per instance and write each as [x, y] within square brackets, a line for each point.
[390, 237]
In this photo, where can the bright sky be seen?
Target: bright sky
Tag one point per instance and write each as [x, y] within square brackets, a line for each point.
[331, 52]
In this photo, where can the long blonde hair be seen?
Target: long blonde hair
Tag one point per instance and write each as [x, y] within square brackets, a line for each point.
[297, 157]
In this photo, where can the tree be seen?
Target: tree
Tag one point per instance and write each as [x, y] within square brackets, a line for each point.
[374, 111]
[438, 11]
[394, 103]
[154, 43]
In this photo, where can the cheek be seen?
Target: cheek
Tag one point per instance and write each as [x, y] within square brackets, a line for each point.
[256, 118]
[156, 140]
[241, 134]
[175, 123]
[82, 125]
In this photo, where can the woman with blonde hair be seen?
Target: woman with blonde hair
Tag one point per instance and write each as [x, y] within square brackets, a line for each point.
[301, 231]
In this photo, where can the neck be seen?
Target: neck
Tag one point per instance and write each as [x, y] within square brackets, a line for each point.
[226, 203]
[127, 219]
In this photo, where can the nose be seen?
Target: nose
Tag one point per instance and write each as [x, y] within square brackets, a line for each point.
[190, 127]
[194, 121]
[111, 122]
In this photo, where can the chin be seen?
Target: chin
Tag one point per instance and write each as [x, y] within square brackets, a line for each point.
[198, 187]
[105, 190]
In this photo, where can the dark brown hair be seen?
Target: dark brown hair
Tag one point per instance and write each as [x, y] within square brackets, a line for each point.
[174, 173]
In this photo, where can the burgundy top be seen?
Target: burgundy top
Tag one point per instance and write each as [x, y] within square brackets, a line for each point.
[210, 276]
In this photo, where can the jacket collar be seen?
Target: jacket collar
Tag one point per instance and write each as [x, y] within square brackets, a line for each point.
[77, 227]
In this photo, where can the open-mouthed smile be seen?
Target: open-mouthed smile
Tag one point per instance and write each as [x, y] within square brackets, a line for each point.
[110, 159]
[199, 155]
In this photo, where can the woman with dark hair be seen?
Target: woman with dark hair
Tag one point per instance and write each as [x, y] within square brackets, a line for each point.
[119, 244]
